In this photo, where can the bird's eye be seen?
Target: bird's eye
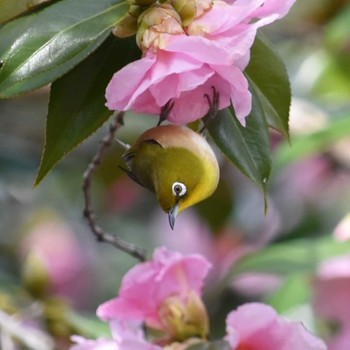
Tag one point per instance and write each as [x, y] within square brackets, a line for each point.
[179, 189]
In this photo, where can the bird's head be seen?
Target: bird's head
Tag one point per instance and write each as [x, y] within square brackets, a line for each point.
[183, 180]
[177, 164]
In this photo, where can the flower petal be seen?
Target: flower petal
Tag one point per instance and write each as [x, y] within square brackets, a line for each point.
[257, 326]
[123, 84]
[240, 95]
[274, 7]
[145, 287]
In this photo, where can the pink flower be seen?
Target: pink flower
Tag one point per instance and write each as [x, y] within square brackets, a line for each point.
[126, 336]
[341, 341]
[48, 241]
[151, 292]
[194, 236]
[342, 230]
[256, 326]
[91, 344]
[333, 283]
[211, 51]
[331, 299]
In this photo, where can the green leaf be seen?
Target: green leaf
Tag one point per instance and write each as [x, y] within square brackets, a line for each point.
[77, 101]
[216, 345]
[88, 325]
[268, 75]
[307, 145]
[246, 147]
[53, 41]
[11, 9]
[290, 257]
[294, 291]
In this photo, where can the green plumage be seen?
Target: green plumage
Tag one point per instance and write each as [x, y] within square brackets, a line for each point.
[171, 154]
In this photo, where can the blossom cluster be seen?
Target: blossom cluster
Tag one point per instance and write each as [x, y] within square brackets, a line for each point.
[189, 47]
[163, 296]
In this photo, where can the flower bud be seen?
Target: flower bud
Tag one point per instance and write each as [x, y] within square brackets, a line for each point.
[127, 26]
[184, 319]
[196, 27]
[35, 275]
[145, 2]
[56, 313]
[155, 21]
[188, 344]
[186, 9]
[202, 6]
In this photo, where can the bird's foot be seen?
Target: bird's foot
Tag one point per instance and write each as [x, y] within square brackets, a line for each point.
[213, 103]
[165, 111]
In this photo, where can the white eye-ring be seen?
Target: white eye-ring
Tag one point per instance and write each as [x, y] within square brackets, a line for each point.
[179, 189]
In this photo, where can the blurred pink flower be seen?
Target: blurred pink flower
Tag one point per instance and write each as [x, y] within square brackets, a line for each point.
[333, 283]
[255, 284]
[91, 344]
[123, 196]
[331, 299]
[341, 341]
[125, 336]
[53, 243]
[211, 51]
[257, 326]
[149, 286]
[222, 249]
[342, 230]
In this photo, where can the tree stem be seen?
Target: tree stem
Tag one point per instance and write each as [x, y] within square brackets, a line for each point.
[88, 212]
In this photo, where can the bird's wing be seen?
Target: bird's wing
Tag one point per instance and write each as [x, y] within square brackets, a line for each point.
[132, 176]
[129, 156]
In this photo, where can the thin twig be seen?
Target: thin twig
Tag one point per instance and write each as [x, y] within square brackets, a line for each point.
[89, 215]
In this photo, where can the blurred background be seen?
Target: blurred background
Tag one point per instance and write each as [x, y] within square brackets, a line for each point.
[53, 273]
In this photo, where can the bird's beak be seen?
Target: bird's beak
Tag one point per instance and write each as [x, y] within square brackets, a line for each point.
[172, 215]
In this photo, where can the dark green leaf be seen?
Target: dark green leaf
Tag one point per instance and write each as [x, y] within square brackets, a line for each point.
[306, 145]
[216, 345]
[10, 8]
[77, 102]
[246, 147]
[268, 74]
[53, 41]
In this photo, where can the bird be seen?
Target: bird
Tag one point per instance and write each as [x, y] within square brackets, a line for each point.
[176, 163]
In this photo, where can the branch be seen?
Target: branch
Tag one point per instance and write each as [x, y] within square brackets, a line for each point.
[89, 215]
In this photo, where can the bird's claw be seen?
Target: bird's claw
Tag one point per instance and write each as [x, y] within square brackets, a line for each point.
[165, 111]
[213, 103]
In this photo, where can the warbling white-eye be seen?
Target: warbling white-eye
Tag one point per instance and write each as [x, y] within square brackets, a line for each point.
[176, 163]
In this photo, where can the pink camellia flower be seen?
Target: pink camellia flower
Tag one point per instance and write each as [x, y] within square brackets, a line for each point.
[333, 283]
[48, 241]
[125, 336]
[256, 326]
[331, 299]
[164, 293]
[184, 63]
